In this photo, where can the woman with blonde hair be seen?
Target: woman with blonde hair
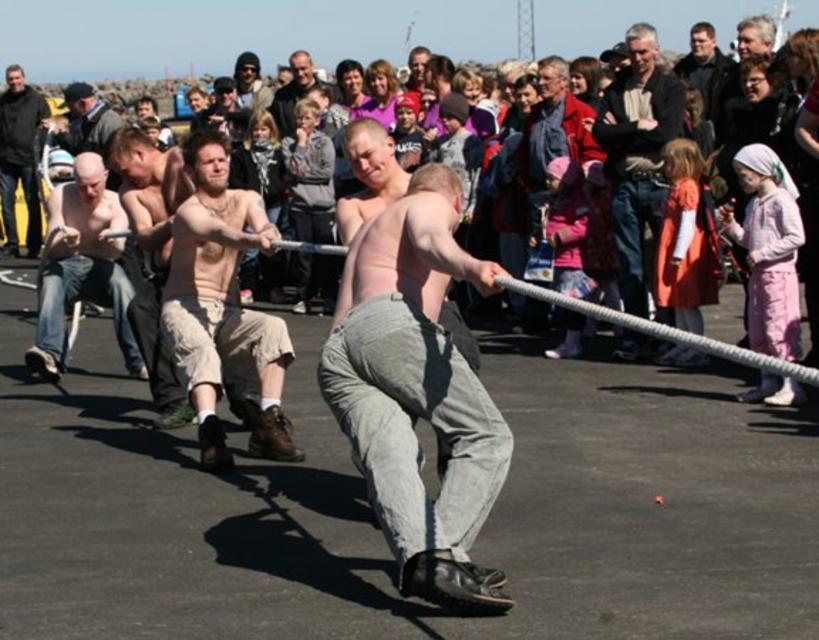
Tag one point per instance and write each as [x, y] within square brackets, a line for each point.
[382, 85]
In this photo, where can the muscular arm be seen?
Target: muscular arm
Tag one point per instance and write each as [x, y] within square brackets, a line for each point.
[177, 185]
[55, 247]
[344, 301]
[348, 219]
[258, 221]
[149, 236]
[193, 221]
[119, 222]
[429, 226]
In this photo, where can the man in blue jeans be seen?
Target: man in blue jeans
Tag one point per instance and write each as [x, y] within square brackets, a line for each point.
[22, 112]
[388, 362]
[80, 266]
[642, 110]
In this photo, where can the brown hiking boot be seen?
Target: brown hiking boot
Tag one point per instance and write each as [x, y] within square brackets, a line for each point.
[271, 437]
[215, 455]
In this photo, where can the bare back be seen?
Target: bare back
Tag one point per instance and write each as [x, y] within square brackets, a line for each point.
[207, 268]
[384, 258]
[152, 206]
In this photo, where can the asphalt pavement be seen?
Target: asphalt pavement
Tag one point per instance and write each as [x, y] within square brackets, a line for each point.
[642, 502]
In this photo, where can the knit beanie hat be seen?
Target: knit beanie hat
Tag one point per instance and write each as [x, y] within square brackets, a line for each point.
[245, 59]
[566, 170]
[454, 105]
[410, 100]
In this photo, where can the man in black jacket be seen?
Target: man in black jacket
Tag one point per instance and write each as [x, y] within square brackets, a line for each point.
[22, 111]
[284, 102]
[642, 110]
[709, 71]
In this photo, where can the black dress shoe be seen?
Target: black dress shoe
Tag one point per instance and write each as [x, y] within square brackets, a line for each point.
[452, 586]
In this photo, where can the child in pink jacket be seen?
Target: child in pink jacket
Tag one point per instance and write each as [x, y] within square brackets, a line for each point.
[566, 231]
[772, 233]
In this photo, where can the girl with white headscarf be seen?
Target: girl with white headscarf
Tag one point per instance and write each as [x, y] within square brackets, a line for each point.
[772, 233]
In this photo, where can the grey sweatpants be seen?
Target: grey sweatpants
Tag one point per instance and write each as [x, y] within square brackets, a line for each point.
[383, 367]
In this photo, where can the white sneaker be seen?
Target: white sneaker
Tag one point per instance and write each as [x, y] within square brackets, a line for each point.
[564, 352]
[786, 398]
[300, 308]
[43, 363]
[246, 296]
[755, 396]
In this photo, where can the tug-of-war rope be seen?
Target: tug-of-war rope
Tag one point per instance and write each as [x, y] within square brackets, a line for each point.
[745, 357]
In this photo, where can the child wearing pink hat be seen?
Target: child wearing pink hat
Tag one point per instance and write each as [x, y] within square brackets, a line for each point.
[565, 229]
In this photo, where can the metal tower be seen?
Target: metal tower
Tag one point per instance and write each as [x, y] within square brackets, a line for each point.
[526, 29]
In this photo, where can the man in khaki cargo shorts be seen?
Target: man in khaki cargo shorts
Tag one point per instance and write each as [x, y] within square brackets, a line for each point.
[202, 324]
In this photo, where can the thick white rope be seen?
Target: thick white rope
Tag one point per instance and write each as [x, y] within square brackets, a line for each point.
[722, 350]
[745, 357]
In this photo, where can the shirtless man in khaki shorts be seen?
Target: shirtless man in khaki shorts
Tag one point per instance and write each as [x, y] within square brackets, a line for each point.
[388, 362]
[202, 324]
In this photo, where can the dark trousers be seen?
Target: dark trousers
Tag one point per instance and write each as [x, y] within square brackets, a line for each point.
[10, 174]
[635, 205]
[143, 313]
[315, 272]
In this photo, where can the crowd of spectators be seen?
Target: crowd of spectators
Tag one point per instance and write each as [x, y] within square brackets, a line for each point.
[614, 165]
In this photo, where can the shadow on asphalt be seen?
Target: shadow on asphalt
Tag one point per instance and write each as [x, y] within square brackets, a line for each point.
[804, 421]
[671, 392]
[270, 540]
[97, 407]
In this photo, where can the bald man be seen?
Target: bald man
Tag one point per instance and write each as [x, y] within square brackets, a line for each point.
[79, 265]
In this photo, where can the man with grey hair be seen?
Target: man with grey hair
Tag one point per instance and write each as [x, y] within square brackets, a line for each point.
[556, 126]
[756, 35]
[22, 111]
[641, 111]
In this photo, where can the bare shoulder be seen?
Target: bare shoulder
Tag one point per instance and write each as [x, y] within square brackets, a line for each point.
[190, 206]
[354, 200]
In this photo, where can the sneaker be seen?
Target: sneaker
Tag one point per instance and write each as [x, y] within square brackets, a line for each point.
[300, 308]
[452, 585]
[755, 396]
[692, 359]
[786, 398]
[42, 363]
[140, 374]
[175, 416]
[246, 296]
[214, 454]
[669, 357]
[271, 437]
[277, 295]
[564, 352]
[631, 351]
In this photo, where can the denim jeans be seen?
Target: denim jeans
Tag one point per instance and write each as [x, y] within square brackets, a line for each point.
[63, 282]
[635, 204]
[385, 366]
[9, 175]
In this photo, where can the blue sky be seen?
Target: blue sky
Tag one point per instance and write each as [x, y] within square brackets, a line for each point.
[126, 40]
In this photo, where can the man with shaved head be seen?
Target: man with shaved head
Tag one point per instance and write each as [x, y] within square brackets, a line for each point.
[80, 266]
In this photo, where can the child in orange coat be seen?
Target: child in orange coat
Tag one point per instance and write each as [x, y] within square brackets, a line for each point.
[683, 280]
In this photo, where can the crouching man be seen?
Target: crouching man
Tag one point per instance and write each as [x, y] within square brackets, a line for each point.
[202, 324]
[388, 362]
[79, 265]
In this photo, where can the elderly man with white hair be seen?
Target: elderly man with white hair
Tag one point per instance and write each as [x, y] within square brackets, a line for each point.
[79, 265]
